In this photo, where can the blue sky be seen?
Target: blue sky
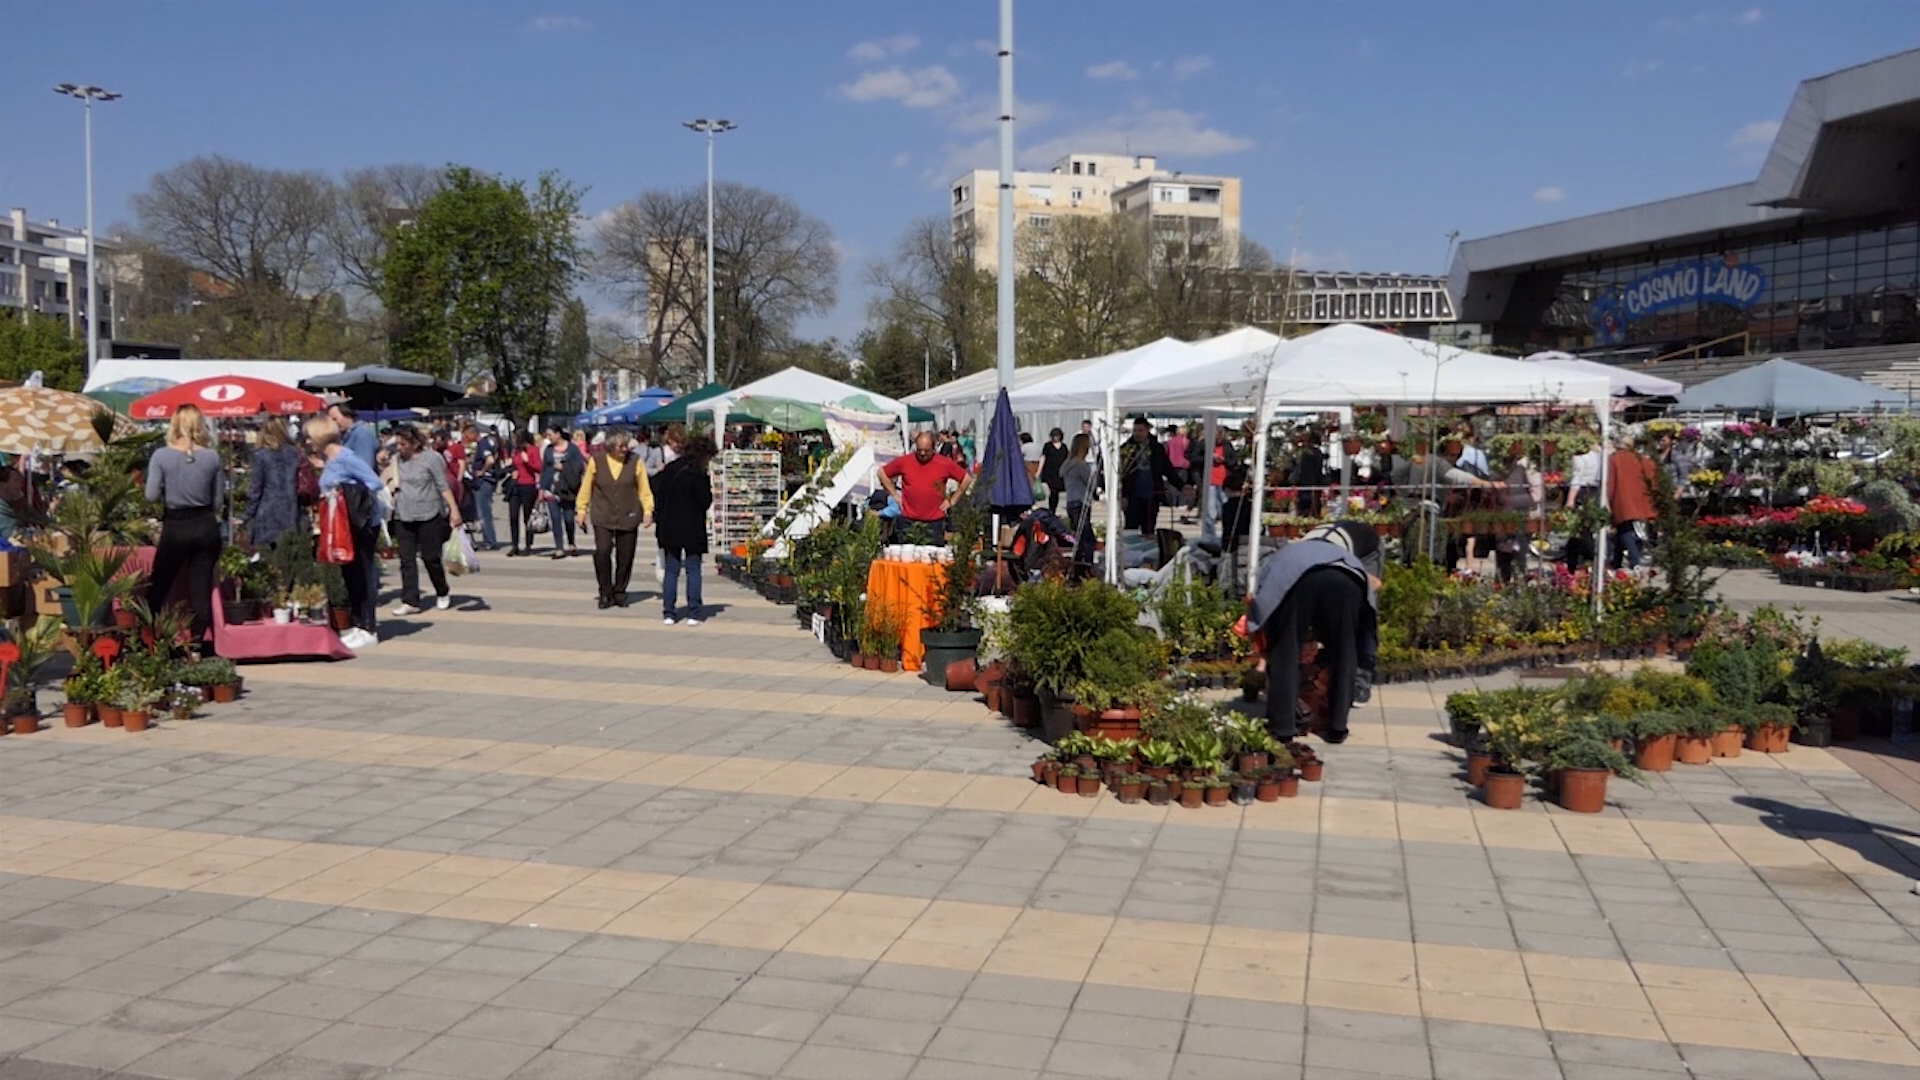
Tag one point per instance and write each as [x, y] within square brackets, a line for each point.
[1364, 132]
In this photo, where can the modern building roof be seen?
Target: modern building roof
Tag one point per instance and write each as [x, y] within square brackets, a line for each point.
[1848, 145]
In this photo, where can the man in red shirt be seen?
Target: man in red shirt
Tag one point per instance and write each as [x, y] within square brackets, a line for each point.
[919, 481]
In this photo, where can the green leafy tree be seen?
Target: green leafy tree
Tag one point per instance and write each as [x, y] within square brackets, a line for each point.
[476, 282]
[892, 360]
[41, 344]
[572, 356]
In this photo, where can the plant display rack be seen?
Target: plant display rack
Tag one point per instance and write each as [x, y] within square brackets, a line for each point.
[747, 487]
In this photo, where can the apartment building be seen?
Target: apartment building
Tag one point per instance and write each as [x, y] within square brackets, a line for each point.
[1200, 213]
[43, 268]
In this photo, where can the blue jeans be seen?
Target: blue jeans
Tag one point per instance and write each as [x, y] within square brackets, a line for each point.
[482, 491]
[1627, 551]
[672, 563]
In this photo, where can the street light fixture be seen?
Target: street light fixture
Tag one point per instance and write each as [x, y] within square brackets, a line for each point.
[710, 128]
[88, 95]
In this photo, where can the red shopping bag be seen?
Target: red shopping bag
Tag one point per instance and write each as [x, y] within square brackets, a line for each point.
[335, 542]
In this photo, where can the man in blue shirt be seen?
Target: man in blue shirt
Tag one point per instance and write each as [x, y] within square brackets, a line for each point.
[354, 435]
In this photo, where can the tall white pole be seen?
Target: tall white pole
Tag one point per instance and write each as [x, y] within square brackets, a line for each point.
[1003, 351]
[709, 254]
[93, 276]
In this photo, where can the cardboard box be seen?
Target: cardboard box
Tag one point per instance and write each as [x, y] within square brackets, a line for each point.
[13, 567]
[42, 597]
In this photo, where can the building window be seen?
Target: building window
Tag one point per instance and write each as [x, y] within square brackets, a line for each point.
[959, 195]
[1042, 193]
[1043, 222]
[1074, 194]
[1353, 306]
[1203, 194]
[1319, 309]
[1076, 168]
[1366, 305]
[1394, 302]
[1093, 168]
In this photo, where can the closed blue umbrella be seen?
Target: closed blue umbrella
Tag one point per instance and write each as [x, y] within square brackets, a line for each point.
[1003, 469]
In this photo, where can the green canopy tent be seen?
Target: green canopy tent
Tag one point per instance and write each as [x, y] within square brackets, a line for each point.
[915, 414]
[675, 411]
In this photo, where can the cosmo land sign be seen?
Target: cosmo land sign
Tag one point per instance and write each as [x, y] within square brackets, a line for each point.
[1725, 280]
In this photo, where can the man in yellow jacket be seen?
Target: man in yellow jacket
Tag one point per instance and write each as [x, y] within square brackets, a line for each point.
[616, 499]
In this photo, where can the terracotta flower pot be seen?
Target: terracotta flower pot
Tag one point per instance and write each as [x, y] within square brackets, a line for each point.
[1477, 765]
[1041, 769]
[1726, 741]
[890, 665]
[1769, 739]
[1158, 772]
[960, 675]
[1694, 749]
[1089, 785]
[1066, 782]
[857, 659]
[110, 716]
[1159, 794]
[1504, 789]
[1217, 796]
[1130, 788]
[76, 714]
[1268, 790]
[24, 724]
[1655, 754]
[1584, 791]
[124, 619]
[1026, 711]
[1192, 796]
[226, 694]
[340, 619]
[137, 719]
[1290, 786]
[1311, 769]
[1250, 763]
[870, 662]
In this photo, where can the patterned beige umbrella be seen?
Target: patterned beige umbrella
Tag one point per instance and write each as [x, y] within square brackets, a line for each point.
[53, 422]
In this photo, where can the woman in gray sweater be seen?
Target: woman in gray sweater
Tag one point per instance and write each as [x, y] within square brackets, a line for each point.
[424, 516]
[185, 476]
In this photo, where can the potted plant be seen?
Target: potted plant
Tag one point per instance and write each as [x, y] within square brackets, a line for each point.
[339, 615]
[1247, 741]
[1054, 628]
[1770, 728]
[1514, 733]
[1089, 782]
[1066, 779]
[1655, 733]
[1218, 790]
[1192, 793]
[221, 677]
[136, 705]
[954, 637]
[309, 600]
[1726, 739]
[1693, 744]
[84, 690]
[1159, 792]
[1202, 751]
[1129, 787]
[108, 707]
[180, 702]
[25, 659]
[1583, 762]
[1160, 757]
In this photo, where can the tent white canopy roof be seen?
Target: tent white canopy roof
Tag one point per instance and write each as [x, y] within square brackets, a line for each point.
[1625, 383]
[985, 385]
[799, 384]
[1094, 386]
[1350, 364]
[1247, 339]
[283, 372]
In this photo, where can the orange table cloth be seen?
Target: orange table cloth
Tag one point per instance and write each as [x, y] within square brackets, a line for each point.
[911, 590]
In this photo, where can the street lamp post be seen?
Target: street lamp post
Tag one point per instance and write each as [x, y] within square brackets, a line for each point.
[88, 95]
[710, 128]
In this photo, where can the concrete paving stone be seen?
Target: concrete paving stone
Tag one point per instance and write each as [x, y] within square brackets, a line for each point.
[1009, 1018]
[1746, 1064]
[570, 999]
[1372, 1027]
[914, 978]
[1115, 1062]
[1452, 1063]
[470, 1058]
[271, 963]
[894, 1004]
[528, 1026]
[1608, 1050]
[1118, 1029]
[658, 1007]
[317, 1002]
[156, 1016]
[766, 1021]
[814, 1062]
[1379, 1058]
[1834, 1069]
[1133, 1001]
[272, 1032]
[394, 948]
[634, 1039]
[431, 1015]
[997, 1048]
[118, 976]
[1243, 1044]
[1589, 1070]
[940, 1069]
[635, 951]
[23, 1069]
[457, 986]
[689, 982]
[98, 1046]
[67, 1006]
[192, 1059]
[791, 993]
[18, 1034]
[734, 1053]
[566, 1065]
[228, 931]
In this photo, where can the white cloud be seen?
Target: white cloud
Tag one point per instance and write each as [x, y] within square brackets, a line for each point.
[1186, 67]
[921, 88]
[1549, 195]
[1636, 69]
[1749, 16]
[550, 24]
[1172, 133]
[902, 159]
[1758, 133]
[1112, 69]
[882, 48]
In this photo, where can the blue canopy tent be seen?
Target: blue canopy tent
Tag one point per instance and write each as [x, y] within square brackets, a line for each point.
[626, 412]
[1003, 468]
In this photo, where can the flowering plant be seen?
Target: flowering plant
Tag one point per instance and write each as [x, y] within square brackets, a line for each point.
[1706, 477]
[1690, 433]
[1829, 504]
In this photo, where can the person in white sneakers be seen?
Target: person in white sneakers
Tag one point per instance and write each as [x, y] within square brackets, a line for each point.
[681, 496]
[359, 486]
[424, 516]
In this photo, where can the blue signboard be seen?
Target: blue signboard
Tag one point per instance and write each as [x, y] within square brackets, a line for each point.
[1725, 280]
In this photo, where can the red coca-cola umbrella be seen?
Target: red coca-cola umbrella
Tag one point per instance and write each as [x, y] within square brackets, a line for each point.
[225, 397]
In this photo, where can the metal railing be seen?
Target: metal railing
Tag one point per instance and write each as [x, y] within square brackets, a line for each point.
[1744, 337]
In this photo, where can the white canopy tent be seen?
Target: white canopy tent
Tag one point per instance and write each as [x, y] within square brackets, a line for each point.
[798, 384]
[967, 402]
[1346, 365]
[1625, 383]
[1093, 388]
[1247, 339]
[107, 372]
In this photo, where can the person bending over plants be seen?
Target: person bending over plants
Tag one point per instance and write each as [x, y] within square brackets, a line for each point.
[1322, 588]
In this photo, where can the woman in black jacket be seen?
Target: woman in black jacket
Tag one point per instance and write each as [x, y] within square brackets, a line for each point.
[681, 495]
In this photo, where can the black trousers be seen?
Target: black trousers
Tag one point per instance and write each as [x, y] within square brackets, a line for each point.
[1327, 605]
[1054, 491]
[422, 540]
[189, 544]
[1142, 513]
[522, 498]
[363, 579]
[613, 560]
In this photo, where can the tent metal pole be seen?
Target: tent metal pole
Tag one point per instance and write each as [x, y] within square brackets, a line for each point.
[1110, 444]
[1599, 575]
[1209, 526]
[1004, 334]
[1261, 423]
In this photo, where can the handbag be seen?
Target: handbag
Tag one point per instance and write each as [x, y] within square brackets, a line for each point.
[541, 520]
[334, 545]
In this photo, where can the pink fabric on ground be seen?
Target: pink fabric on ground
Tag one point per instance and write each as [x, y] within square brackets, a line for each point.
[270, 641]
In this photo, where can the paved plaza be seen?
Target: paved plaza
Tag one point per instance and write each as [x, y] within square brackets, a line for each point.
[526, 839]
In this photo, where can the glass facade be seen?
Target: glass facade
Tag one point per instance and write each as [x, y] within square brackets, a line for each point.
[1805, 287]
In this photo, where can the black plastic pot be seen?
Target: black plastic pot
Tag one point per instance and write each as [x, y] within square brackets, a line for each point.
[1814, 731]
[945, 648]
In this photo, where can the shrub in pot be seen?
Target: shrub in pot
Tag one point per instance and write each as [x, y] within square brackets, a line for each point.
[1159, 792]
[1218, 789]
[1055, 628]
[1159, 757]
[1655, 733]
[954, 637]
[1693, 744]
[1583, 761]
[1192, 793]
[1769, 728]
[1129, 787]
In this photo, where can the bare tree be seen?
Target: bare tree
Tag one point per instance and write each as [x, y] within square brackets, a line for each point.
[1083, 293]
[373, 202]
[774, 263]
[929, 283]
[249, 227]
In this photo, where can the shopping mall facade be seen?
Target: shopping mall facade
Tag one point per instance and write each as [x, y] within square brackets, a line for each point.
[1820, 251]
